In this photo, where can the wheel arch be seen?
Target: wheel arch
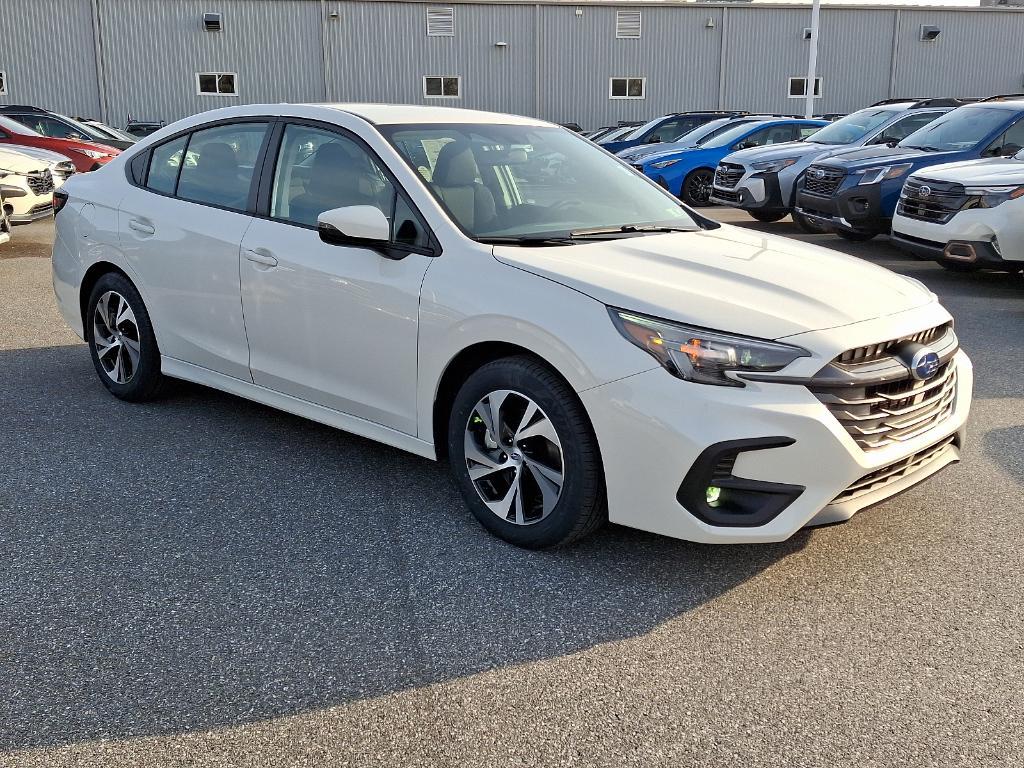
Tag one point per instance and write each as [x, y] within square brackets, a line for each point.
[91, 277]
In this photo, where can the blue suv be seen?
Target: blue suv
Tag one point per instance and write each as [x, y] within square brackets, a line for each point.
[855, 194]
[664, 128]
[688, 172]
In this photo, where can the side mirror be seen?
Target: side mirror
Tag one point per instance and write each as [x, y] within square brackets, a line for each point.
[358, 225]
[1019, 155]
[9, 192]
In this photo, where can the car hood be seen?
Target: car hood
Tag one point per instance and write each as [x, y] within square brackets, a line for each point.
[876, 155]
[774, 152]
[45, 155]
[999, 170]
[666, 154]
[20, 162]
[730, 279]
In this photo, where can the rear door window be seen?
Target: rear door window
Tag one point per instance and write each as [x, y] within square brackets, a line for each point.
[164, 164]
[219, 163]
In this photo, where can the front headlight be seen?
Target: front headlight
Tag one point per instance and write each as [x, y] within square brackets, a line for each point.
[94, 154]
[774, 166]
[703, 356]
[882, 172]
[664, 163]
[990, 197]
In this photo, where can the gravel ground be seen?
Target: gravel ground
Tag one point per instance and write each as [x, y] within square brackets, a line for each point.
[204, 581]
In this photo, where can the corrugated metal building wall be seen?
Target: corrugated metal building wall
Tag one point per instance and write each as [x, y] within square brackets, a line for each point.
[140, 57]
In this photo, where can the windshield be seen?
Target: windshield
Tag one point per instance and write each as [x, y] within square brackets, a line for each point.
[527, 182]
[618, 133]
[636, 133]
[719, 130]
[10, 126]
[960, 129]
[853, 127]
[728, 136]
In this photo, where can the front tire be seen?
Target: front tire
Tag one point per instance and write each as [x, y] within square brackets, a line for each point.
[524, 455]
[697, 187]
[855, 237]
[121, 340]
[768, 216]
[807, 225]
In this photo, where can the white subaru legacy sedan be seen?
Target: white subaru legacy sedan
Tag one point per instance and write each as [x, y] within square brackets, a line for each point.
[500, 292]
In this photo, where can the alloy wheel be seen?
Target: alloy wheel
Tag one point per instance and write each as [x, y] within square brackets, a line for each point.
[514, 457]
[698, 187]
[116, 337]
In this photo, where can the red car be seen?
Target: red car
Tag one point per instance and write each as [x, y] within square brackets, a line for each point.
[84, 154]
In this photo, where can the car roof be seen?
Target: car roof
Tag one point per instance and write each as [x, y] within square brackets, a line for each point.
[385, 114]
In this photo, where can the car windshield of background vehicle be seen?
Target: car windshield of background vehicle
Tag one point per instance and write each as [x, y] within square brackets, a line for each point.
[524, 183]
[728, 136]
[12, 126]
[960, 129]
[717, 131]
[853, 127]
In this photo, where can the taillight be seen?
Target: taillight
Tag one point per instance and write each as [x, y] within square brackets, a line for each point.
[60, 198]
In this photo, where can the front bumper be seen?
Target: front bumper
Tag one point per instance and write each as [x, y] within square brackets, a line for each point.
[755, 192]
[995, 237]
[36, 212]
[856, 208]
[653, 429]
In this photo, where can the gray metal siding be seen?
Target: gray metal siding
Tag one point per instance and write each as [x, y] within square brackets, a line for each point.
[152, 50]
[47, 51]
[676, 52]
[381, 52]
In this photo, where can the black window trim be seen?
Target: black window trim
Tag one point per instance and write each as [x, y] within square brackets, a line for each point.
[250, 206]
[268, 169]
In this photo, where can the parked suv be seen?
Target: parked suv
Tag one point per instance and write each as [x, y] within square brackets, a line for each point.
[28, 186]
[696, 137]
[855, 193]
[966, 215]
[689, 172]
[57, 126]
[762, 181]
[665, 128]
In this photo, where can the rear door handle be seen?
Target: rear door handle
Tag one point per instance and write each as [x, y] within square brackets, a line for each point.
[261, 256]
[141, 226]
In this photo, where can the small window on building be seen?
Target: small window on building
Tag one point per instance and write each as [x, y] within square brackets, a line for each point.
[216, 83]
[440, 22]
[627, 23]
[3, 83]
[442, 87]
[628, 88]
[798, 87]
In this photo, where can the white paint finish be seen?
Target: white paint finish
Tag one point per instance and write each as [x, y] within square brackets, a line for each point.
[363, 221]
[190, 265]
[333, 325]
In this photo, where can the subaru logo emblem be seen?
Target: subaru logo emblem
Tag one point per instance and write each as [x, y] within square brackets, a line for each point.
[924, 364]
[818, 173]
[924, 191]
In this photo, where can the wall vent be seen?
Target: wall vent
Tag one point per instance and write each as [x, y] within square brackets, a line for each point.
[440, 22]
[627, 23]
[213, 22]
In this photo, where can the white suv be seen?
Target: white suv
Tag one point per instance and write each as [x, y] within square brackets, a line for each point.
[29, 186]
[580, 348]
[966, 216]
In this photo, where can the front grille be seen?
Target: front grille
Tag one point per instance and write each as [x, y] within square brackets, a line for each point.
[932, 201]
[890, 406]
[725, 194]
[823, 180]
[41, 208]
[40, 182]
[878, 351]
[889, 474]
[728, 175]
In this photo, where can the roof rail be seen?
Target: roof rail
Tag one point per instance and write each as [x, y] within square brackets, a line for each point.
[1005, 97]
[883, 102]
[21, 108]
[713, 112]
[945, 102]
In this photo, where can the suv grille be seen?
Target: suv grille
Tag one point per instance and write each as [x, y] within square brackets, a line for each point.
[728, 175]
[893, 472]
[823, 180]
[898, 409]
[934, 201]
[40, 182]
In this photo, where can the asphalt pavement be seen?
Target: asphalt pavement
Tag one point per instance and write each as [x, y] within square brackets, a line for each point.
[203, 581]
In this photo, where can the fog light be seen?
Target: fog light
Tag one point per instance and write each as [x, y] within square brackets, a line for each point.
[713, 493]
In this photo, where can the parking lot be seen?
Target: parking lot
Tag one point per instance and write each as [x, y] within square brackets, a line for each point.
[205, 581]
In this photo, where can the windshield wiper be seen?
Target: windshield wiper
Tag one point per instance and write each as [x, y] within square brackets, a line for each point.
[580, 235]
[925, 148]
[627, 229]
[528, 240]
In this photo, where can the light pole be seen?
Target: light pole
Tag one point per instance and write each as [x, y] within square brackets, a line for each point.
[812, 59]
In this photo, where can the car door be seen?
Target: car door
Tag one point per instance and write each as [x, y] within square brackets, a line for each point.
[334, 325]
[181, 226]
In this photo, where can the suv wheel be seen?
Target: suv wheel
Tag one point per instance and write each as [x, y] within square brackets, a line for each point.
[768, 216]
[121, 340]
[524, 455]
[697, 187]
[855, 237]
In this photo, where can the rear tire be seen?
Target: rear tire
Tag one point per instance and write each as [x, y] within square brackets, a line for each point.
[121, 340]
[536, 479]
[768, 216]
[696, 189]
[807, 225]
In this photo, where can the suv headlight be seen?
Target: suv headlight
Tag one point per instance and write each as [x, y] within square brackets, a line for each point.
[882, 173]
[94, 154]
[990, 197]
[664, 163]
[703, 356]
[774, 166]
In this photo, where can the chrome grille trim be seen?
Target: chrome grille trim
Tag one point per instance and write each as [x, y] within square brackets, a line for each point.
[829, 182]
[40, 182]
[880, 350]
[728, 175]
[943, 201]
[891, 473]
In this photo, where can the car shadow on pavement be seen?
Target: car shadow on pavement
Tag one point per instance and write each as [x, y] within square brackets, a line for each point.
[205, 561]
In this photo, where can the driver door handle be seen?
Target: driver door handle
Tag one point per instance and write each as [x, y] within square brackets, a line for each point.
[261, 256]
[141, 226]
